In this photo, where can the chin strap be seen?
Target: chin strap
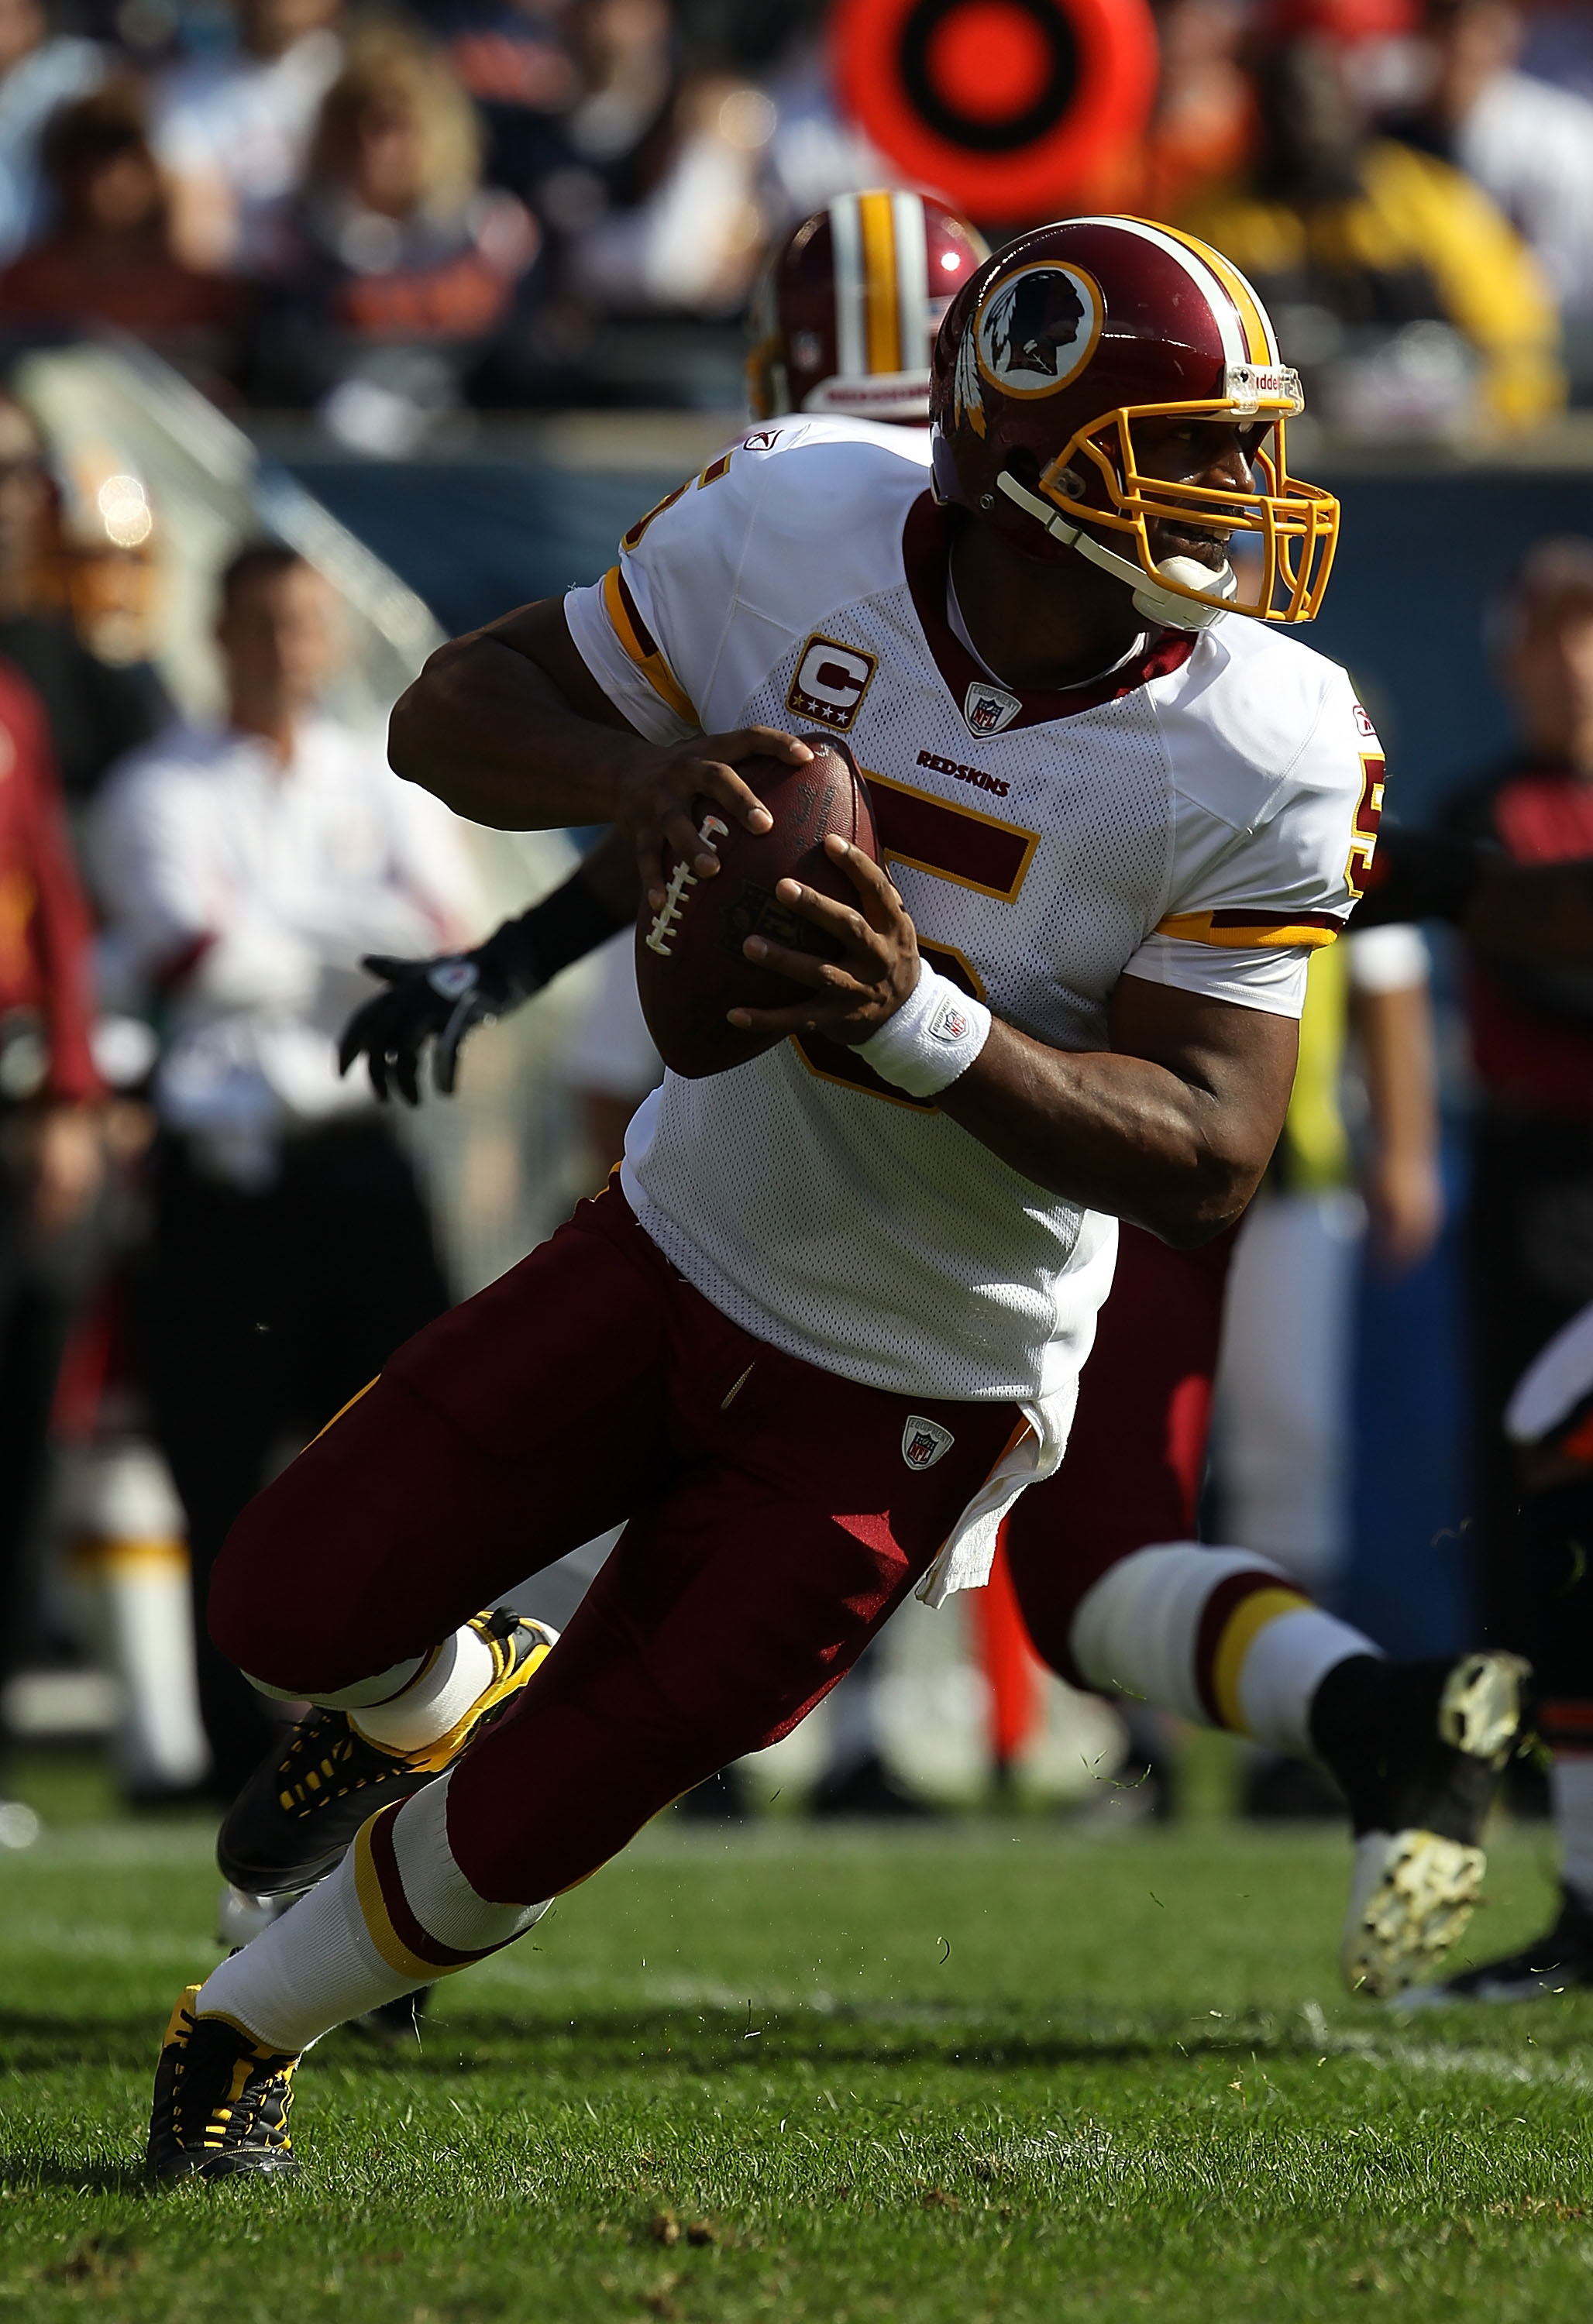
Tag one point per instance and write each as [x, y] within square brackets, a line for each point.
[1168, 607]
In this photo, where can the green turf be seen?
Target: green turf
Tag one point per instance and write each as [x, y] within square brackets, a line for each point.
[966, 2073]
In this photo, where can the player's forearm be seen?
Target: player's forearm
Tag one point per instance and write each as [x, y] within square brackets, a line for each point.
[486, 729]
[1395, 1030]
[1120, 1134]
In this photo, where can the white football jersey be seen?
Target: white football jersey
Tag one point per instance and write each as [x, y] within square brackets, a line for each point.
[1194, 817]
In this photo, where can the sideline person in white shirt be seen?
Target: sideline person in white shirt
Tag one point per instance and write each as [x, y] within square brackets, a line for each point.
[244, 868]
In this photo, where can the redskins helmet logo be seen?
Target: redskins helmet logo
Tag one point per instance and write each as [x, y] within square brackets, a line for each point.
[1037, 328]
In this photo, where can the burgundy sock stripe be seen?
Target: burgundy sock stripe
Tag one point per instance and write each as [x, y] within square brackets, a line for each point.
[406, 1927]
[1215, 1617]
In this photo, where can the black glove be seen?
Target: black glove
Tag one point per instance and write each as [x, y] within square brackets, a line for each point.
[439, 1000]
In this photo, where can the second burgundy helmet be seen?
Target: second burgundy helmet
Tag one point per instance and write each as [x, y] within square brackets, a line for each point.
[847, 311]
[1046, 361]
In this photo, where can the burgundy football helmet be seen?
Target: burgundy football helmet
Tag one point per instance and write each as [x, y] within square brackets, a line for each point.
[1050, 355]
[848, 304]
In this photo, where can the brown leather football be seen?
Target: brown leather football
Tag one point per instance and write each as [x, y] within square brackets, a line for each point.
[691, 969]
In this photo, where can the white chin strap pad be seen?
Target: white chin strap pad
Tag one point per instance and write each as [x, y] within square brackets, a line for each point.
[1166, 607]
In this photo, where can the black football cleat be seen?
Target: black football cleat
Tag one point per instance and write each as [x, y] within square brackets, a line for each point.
[221, 2101]
[299, 1810]
[1559, 1962]
[1419, 1750]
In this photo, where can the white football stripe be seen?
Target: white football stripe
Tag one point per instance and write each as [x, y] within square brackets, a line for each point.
[846, 242]
[913, 276]
[1219, 299]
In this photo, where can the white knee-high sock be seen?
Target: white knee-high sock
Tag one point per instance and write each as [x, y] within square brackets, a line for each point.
[416, 1701]
[397, 1914]
[1216, 1635]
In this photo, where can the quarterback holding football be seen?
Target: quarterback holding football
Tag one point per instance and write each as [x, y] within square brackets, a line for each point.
[827, 1325]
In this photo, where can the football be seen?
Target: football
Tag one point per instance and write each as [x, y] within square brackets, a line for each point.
[691, 969]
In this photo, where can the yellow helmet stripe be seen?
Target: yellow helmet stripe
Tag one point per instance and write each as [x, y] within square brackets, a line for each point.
[1260, 344]
[882, 320]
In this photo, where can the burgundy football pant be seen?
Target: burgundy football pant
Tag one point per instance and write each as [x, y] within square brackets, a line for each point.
[1135, 1456]
[773, 1524]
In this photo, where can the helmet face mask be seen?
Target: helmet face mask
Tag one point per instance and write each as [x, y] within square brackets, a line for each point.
[1294, 523]
[1049, 373]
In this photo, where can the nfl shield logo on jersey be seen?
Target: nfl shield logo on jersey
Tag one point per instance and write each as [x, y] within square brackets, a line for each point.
[923, 1441]
[987, 709]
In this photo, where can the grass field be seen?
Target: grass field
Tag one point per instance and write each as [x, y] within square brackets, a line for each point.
[975, 2073]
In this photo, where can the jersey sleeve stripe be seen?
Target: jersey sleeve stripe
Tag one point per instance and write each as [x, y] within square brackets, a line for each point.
[639, 644]
[1248, 931]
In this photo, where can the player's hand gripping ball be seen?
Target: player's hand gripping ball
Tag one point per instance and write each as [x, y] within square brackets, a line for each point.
[691, 969]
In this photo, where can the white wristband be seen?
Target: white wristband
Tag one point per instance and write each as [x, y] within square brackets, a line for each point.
[933, 1037]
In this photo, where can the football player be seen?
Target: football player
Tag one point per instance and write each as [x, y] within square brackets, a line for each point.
[1132, 1475]
[861, 1272]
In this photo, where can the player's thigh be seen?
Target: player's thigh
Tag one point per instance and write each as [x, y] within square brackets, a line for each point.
[722, 1618]
[517, 1426]
[1136, 1451]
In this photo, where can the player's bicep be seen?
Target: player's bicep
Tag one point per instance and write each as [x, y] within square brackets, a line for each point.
[540, 634]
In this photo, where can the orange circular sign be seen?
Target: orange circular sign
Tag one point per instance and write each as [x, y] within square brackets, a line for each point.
[1008, 107]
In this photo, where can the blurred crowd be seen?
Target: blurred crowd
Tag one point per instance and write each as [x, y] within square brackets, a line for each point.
[383, 215]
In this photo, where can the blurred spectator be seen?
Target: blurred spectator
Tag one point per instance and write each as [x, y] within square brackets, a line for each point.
[404, 269]
[1398, 288]
[1285, 1463]
[1205, 117]
[691, 243]
[51, 1158]
[109, 259]
[511, 58]
[1529, 145]
[38, 72]
[1283, 1449]
[95, 712]
[1532, 1033]
[232, 132]
[659, 200]
[245, 869]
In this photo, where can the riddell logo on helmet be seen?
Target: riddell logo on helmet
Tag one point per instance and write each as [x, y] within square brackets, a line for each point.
[830, 682]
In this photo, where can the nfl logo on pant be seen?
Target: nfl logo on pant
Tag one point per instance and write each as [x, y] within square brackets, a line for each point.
[925, 1441]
